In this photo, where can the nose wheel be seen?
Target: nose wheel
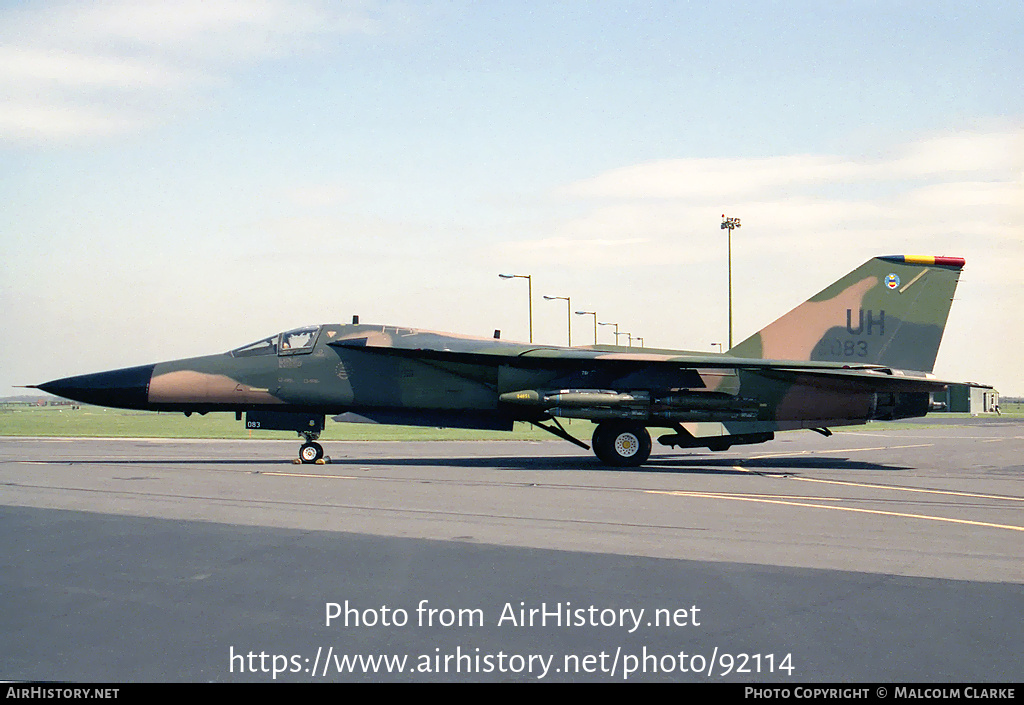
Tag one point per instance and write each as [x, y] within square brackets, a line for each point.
[311, 451]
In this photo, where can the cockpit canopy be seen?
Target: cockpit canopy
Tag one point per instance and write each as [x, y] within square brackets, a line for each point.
[292, 342]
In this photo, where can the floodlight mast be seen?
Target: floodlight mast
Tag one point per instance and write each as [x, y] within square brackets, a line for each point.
[730, 224]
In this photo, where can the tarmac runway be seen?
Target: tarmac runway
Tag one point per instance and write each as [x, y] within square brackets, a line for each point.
[870, 556]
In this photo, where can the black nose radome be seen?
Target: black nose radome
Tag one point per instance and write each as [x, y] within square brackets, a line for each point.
[126, 389]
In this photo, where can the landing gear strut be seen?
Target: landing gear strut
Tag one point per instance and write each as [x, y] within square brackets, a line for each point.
[622, 443]
[310, 452]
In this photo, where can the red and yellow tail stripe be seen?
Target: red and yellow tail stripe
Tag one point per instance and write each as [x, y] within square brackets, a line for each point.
[926, 259]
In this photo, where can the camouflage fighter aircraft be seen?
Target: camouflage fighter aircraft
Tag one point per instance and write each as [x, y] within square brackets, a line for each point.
[862, 349]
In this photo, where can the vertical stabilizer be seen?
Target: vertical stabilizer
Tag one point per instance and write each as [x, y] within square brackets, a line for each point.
[889, 311]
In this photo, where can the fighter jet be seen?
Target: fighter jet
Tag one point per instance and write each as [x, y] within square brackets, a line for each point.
[861, 349]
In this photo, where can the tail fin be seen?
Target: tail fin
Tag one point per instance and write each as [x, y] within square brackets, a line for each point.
[889, 311]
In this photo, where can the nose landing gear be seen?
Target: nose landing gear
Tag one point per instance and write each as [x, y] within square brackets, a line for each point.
[311, 452]
[307, 425]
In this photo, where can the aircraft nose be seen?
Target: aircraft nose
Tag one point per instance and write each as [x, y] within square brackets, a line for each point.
[127, 388]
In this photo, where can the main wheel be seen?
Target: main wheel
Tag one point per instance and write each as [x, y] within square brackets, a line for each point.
[622, 444]
[311, 452]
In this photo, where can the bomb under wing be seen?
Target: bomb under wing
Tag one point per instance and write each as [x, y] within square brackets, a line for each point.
[861, 349]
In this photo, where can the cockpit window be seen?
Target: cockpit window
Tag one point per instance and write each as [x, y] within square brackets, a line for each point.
[267, 346]
[293, 342]
[299, 340]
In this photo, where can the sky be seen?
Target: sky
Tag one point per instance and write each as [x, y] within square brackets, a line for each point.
[182, 178]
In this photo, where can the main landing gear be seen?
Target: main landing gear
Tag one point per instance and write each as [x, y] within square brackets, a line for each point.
[311, 451]
[622, 443]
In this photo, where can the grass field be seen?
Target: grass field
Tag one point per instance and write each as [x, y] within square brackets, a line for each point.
[91, 421]
[98, 422]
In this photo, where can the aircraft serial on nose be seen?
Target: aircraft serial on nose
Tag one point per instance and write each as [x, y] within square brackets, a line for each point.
[861, 349]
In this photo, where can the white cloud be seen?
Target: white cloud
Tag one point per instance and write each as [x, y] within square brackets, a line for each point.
[948, 185]
[28, 120]
[228, 29]
[92, 60]
[45, 68]
[998, 155]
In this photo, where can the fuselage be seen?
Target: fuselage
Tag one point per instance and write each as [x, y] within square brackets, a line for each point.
[334, 369]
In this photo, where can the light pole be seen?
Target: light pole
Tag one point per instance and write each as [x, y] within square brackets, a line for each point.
[568, 312]
[641, 341]
[719, 346]
[616, 330]
[594, 314]
[529, 294]
[730, 224]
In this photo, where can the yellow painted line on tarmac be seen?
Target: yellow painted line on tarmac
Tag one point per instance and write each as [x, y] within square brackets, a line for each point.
[740, 498]
[740, 495]
[310, 474]
[909, 489]
[838, 450]
[854, 434]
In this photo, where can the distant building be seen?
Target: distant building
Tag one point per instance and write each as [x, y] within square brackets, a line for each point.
[968, 398]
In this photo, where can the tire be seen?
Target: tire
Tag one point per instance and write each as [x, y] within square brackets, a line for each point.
[622, 444]
[311, 452]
